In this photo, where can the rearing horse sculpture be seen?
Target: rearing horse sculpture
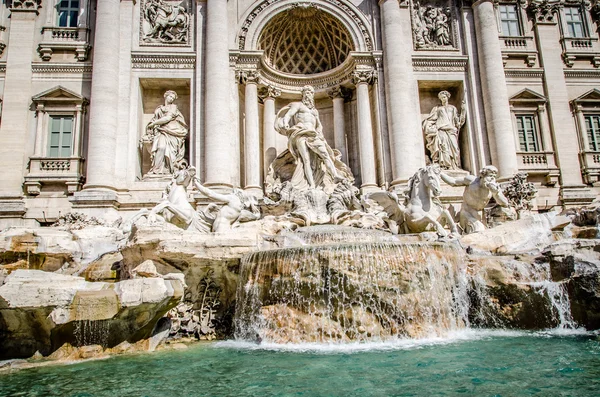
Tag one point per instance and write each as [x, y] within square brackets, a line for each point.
[169, 23]
[423, 206]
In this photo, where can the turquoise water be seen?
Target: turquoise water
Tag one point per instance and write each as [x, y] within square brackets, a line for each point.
[470, 363]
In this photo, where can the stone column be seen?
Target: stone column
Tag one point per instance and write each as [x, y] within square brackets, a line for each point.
[268, 95]
[561, 118]
[14, 130]
[252, 135]
[365, 129]
[406, 139]
[339, 95]
[104, 103]
[219, 144]
[493, 85]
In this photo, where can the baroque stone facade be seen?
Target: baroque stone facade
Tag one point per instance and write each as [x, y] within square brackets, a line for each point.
[81, 82]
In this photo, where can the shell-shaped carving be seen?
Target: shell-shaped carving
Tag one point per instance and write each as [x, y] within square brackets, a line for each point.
[305, 40]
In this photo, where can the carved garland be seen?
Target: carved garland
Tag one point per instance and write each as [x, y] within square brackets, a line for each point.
[339, 4]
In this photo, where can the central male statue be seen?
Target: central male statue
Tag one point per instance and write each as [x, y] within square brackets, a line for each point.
[299, 121]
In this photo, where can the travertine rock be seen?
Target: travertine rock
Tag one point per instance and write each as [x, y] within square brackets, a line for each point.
[527, 234]
[41, 311]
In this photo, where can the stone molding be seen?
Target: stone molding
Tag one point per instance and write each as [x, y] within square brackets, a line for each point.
[361, 26]
[80, 68]
[582, 73]
[524, 73]
[439, 64]
[290, 83]
[163, 61]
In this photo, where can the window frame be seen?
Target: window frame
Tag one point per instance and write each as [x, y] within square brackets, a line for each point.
[582, 22]
[517, 19]
[537, 139]
[592, 137]
[69, 10]
[62, 116]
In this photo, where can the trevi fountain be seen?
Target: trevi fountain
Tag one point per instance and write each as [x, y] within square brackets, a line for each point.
[313, 288]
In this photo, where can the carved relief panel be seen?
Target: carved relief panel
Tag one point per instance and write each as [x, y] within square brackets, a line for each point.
[165, 22]
[434, 25]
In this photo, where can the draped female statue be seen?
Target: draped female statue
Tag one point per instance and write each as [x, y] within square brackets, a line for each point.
[441, 129]
[167, 131]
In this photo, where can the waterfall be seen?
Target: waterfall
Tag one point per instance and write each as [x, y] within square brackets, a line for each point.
[91, 332]
[341, 285]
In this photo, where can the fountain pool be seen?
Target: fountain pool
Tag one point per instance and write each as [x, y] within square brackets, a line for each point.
[468, 362]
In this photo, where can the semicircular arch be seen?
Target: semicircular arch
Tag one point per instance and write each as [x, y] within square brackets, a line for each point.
[258, 16]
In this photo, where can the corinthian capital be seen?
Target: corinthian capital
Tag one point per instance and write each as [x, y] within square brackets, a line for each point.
[340, 92]
[269, 92]
[544, 11]
[364, 76]
[26, 5]
[247, 76]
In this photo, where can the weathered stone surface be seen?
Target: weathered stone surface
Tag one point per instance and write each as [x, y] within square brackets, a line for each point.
[41, 311]
[145, 269]
[524, 235]
[104, 268]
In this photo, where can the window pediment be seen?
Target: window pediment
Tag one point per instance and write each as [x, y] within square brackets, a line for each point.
[58, 94]
[527, 96]
[590, 98]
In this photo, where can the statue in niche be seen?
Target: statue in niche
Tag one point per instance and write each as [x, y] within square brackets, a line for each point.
[167, 132]
[313, 157]
[431, 26]
[169, 23]
[441, 129]
[478, 192]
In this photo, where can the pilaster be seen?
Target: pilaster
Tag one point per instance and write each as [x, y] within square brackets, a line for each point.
[252, 135]
[362, 80]
[16, 101]
[339, 95]
[219, 143]
[493, 87]
[545, 17]
[268, 95]
[406, 139]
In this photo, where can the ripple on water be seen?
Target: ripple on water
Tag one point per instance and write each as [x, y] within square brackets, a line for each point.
[475, 363]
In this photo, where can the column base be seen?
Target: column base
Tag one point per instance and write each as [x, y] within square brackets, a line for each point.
[95, 198]
[12, 206]
[369, 188]
[256, 191]
[219, 186]
[576, 196]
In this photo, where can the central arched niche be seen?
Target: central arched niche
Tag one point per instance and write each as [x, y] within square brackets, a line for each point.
[305, 40]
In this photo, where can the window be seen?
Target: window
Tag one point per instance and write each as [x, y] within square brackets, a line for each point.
[528, 137]
[574, 20]
[510, 20]
[592, 126]
[68, 13]
[61, 136]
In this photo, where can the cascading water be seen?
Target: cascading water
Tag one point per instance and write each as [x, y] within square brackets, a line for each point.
[343, 284]
[555, 308]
